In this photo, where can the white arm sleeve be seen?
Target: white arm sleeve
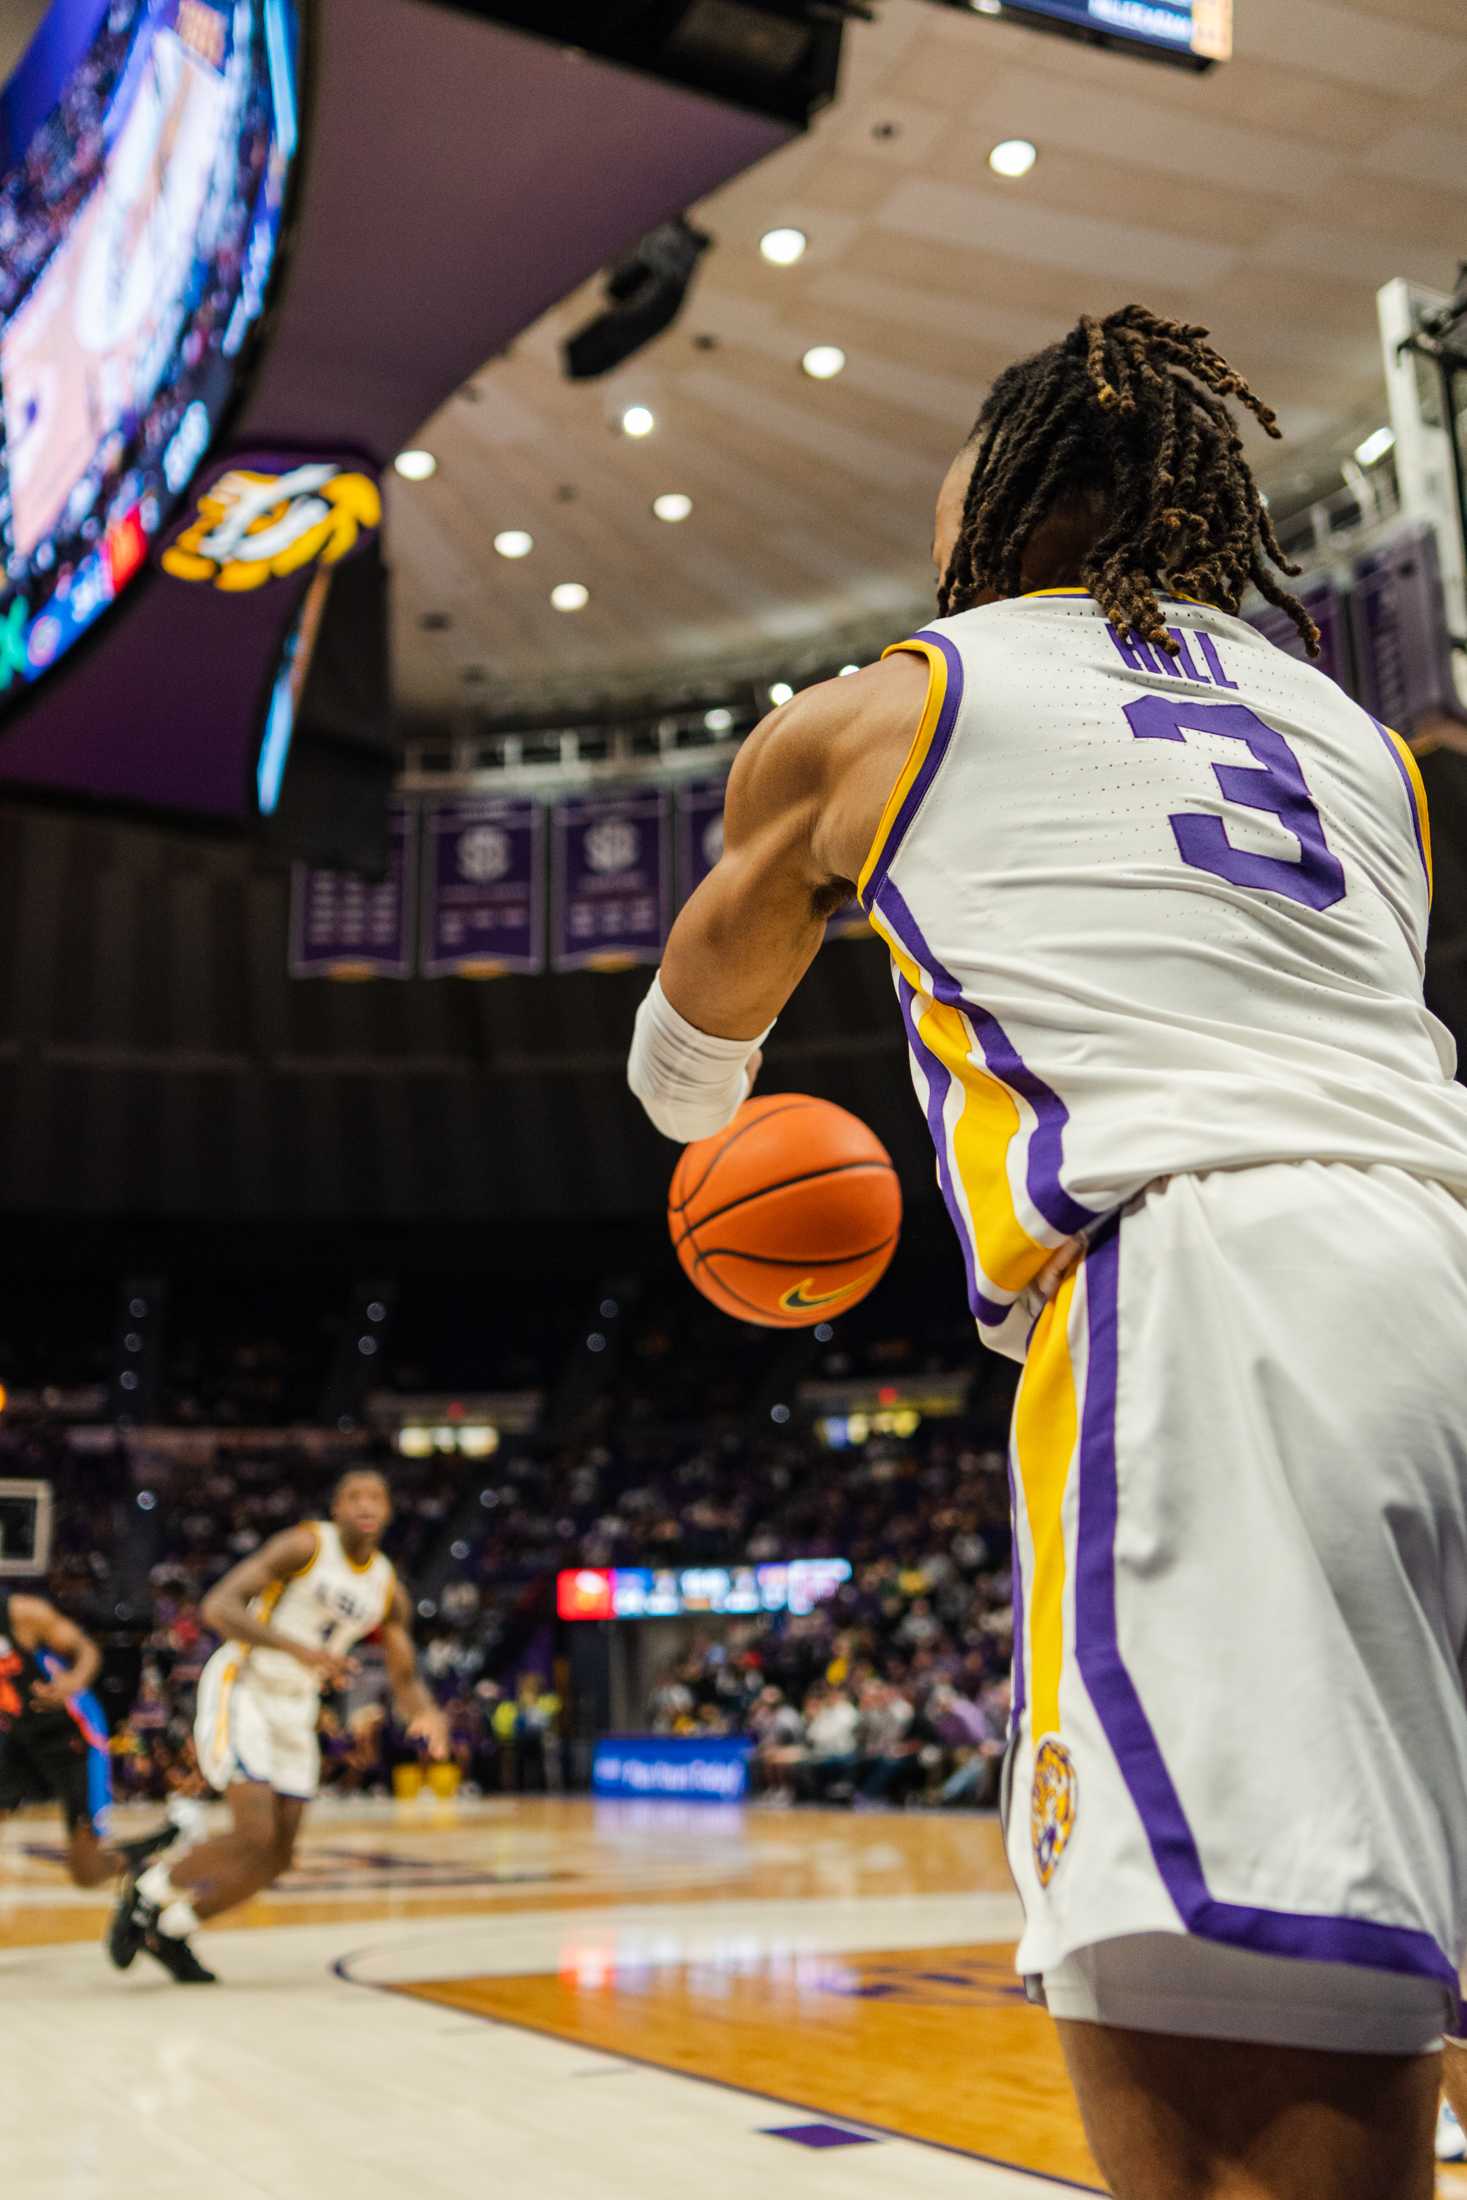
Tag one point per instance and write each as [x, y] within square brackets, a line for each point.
[690, 1084]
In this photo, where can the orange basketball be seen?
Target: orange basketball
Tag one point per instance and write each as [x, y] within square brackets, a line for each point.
[788, 1217]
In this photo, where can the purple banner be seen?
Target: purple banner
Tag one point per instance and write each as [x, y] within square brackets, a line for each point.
[699, 832]
[483, 889]
[1328, 606]
[1401, 638]
[342, 926]
[612, 881]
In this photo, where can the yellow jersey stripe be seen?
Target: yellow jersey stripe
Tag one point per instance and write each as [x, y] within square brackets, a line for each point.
[1417, 786]
[1046, 1420]
[978, 1145]
[916, 754]
[226, 1690]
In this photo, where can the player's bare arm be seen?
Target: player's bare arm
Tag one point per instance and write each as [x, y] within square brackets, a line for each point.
[411, 1700]
[804, 799]
[226, 1608]
[39, 1626]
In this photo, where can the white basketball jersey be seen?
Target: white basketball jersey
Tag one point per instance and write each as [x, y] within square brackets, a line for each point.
[1150, 915]
[331, 1603]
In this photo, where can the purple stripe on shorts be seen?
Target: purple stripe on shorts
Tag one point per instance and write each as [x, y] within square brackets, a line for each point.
[1046, 1147]
[1018, 1696]
[1400, 763]
[938, 1080]
[1353, 1940]
[937, 748]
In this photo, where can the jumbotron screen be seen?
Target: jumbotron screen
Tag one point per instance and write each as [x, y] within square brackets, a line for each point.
[140, 212]
[1195, 31]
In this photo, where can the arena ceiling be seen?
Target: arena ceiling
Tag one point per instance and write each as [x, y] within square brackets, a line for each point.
[1269, 200]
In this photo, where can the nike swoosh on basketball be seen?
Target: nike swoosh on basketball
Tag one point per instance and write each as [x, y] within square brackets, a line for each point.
[800, 1300]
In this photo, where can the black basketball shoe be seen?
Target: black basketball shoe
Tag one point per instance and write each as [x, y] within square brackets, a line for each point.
[137, 1855]
[131, 1919]
[177, 1958]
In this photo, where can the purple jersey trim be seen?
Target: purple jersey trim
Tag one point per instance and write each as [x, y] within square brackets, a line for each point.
[937, 749]
[1396, 758]
[1046, 1147]
[939, 1078]
[1129, 1732]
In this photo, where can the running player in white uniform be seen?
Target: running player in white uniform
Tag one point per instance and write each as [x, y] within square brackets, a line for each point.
[1156, 900]
[291, 1614]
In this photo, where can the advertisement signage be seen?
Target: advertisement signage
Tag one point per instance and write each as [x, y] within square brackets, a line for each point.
[794, 1585]
[656, 1765]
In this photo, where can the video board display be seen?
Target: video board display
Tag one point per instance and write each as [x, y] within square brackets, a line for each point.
[795, 1585]
[1198, 32]
[139, 223]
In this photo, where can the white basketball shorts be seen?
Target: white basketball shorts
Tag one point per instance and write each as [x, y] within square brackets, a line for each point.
[1240, 1604]
[245, 1732]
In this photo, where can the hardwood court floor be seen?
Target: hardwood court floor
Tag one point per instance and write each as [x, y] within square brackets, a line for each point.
[821, 2004]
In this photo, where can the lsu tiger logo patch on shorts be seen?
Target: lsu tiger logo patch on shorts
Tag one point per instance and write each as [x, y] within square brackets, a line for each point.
[1052, 1807]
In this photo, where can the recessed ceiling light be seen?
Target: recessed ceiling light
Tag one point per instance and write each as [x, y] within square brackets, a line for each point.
[719, 720]
[1015, 157]
[638, 420]
[514, 543]
[415, 465]
[1376, 446]
[847, 670]
[822, 362]
[781, 692]
[672, 507]
[570, 596]
[782, 247]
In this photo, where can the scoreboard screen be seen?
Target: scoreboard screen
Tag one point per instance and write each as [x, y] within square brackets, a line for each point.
[1193, 32]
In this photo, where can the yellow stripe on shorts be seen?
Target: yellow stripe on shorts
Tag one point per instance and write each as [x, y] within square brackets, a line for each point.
[1046, 1421]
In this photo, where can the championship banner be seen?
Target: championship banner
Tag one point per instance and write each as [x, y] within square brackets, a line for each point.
[483, 889]
[1401, 640]
[1328, 606]
[699, 832]
[612, 881]
[342, 926]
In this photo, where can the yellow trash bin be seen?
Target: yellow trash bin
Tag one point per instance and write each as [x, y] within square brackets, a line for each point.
[407, 1782]
[443, 1778]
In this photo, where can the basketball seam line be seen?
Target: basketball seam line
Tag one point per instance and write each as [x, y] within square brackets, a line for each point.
[762, 1317]
[781, 1260]
[806, 1176]
[676, 1207]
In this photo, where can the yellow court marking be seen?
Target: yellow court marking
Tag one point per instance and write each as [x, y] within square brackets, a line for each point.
[1045, 1425]
[933, 2044]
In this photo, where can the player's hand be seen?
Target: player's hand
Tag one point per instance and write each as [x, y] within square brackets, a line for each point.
[430, 1727]
[335, 1672]
[50, 1695]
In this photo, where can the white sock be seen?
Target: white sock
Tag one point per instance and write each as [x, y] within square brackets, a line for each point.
[179, 1919]
[154, 1885]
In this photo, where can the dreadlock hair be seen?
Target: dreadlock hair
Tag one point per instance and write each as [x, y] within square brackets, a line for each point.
[1128, 414]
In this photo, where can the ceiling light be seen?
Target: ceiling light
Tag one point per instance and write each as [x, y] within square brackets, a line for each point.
[416, 465]
[672, 507]
[1015, 157]
[1376, 446]
[638, 420]
[514, 543]
[986, 7]
[822, 362]
[782, 247]
[570, 596]
[847, 670]
[781, 692]
[719, 720]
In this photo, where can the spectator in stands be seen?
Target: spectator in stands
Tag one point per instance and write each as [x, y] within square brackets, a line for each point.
[832, 1737]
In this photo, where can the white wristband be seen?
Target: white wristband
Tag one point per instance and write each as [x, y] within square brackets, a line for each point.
[690, 1083]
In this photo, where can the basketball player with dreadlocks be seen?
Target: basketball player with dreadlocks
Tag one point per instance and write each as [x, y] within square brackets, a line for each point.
[1156, 896]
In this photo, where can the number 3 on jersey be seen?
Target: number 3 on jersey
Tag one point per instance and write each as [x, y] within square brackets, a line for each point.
[1317, 879]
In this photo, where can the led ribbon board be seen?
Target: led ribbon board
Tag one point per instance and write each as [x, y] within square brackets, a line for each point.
[1194, 32]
